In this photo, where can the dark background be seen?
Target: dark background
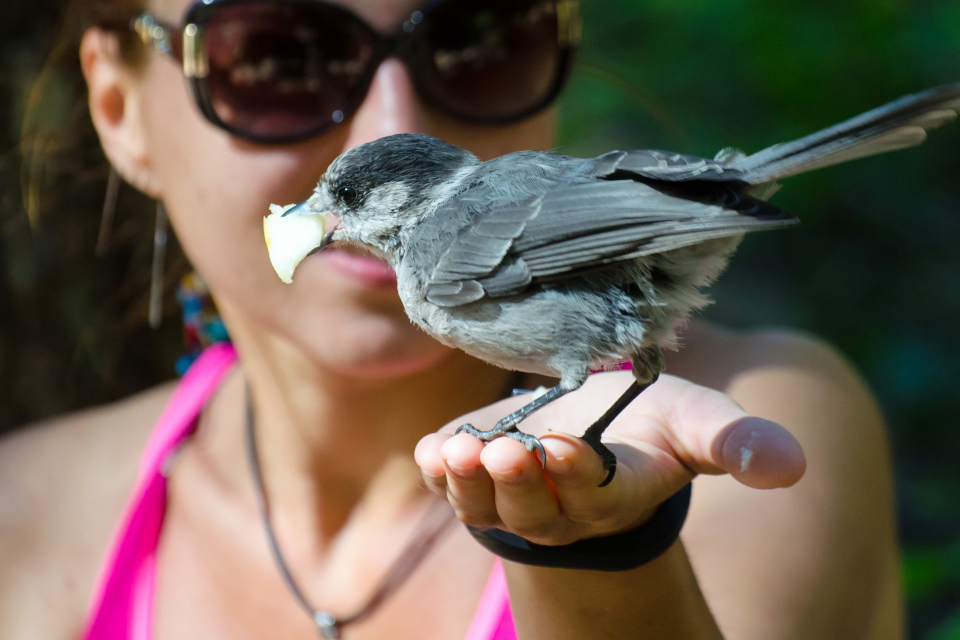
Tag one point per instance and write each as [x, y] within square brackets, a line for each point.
[874, 268]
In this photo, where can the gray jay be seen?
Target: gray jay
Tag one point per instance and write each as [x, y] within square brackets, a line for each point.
[555, 265]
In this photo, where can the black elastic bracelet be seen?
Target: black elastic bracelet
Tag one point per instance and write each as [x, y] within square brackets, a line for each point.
[617, 552]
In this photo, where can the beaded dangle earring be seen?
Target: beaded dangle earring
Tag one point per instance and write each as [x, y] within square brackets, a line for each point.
[202, 325]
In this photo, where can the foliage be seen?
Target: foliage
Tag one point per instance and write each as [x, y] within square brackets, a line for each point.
[874, 267]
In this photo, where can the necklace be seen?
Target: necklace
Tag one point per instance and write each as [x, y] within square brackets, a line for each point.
[434, 523]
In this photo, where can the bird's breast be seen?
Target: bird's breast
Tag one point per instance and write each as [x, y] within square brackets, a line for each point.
[553, 331]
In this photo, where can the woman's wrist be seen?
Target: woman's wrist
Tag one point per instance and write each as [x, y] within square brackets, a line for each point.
[617, 552]
[660, 599]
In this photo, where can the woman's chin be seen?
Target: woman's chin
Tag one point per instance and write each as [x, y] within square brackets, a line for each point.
[362, 333]
[382, 367]
[380, 355]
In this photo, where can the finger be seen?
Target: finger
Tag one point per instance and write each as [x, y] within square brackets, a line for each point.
[469, 487]
[576, 471]
[760, 453]
[710, 433]
[525, 499]
[428, 457]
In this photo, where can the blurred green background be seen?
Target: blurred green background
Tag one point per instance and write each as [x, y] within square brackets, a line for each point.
[874, 268]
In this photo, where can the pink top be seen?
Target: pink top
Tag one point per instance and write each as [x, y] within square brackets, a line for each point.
[122, 606]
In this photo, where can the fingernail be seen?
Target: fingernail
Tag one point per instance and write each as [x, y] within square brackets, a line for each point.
[510, 476]
[461, 472]
[559, 466]
[431, 475]
[562, 453]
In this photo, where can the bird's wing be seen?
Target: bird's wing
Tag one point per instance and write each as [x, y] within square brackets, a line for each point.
[667, 166]
[479, 249]
[562, 231]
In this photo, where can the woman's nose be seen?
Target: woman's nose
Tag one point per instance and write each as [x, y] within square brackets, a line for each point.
[390, 107]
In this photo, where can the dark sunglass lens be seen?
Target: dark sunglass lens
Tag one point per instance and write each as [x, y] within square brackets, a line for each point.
[284, 69]
[490, 60]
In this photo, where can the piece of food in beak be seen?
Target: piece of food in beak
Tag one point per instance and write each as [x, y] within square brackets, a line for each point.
[291, 238]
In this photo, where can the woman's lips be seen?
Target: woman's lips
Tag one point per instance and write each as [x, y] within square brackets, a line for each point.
[360, 266]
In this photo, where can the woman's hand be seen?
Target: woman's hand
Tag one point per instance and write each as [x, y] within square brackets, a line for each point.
[672, 432]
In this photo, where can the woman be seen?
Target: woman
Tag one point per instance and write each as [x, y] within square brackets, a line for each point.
[342, 390]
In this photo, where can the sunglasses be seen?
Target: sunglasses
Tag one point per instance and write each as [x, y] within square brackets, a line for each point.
[277, 71]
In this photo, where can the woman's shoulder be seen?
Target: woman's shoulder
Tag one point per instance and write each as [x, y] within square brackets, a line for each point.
[793, 378]
[80, 454]
[718, 356]
[63, 485]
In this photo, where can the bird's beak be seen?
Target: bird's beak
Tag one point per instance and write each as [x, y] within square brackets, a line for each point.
[327, 238]
[297, 210]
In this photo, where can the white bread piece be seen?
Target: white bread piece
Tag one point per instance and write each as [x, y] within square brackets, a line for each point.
[290, 239]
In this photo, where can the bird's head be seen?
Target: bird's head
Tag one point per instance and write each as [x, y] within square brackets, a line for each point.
[375, 191]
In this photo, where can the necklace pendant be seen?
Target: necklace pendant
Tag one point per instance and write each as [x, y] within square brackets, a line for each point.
[328, 625]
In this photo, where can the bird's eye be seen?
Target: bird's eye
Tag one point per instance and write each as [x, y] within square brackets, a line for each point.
[347, 195]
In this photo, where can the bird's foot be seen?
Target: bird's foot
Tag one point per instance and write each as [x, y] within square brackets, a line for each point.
[607, 456]
[531, 443]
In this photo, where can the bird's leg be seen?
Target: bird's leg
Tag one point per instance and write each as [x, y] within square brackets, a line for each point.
[646, 366]
[592, 435]
[508, 425]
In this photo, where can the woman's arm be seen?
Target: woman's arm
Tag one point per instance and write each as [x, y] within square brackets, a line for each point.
[658, 600]
[63, 486]
[771, 564]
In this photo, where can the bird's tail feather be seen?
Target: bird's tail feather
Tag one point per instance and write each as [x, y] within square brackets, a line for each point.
[897, 125]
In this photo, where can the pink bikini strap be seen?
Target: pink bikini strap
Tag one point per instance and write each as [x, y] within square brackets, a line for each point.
[492, 619]
[122, 606]
[178, 419]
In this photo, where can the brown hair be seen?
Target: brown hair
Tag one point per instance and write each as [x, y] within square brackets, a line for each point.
[73, 331]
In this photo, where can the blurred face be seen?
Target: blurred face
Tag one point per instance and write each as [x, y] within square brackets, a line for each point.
[342, 309]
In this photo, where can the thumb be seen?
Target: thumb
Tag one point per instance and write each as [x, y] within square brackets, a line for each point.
[759, 453]
[711, 434]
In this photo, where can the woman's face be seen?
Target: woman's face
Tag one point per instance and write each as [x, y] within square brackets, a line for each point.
[342, 310]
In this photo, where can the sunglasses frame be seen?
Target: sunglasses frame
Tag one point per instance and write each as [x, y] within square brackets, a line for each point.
[187, 45]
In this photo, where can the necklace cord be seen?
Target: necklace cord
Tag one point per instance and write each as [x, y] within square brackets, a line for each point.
[434, 523]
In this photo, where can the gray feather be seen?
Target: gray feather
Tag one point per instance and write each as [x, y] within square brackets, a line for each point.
[454, 294]
[660, 165]
[567, 229]
[510, 278]
[900, 124]
[480, 247]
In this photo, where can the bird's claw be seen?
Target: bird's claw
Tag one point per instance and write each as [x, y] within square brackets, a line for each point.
[608, 458]
[531, 443]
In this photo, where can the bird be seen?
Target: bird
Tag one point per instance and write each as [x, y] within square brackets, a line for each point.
[545, 263]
